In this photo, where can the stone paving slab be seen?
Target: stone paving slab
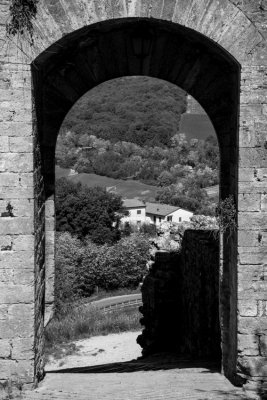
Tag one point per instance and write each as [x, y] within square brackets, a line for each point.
[174, 384]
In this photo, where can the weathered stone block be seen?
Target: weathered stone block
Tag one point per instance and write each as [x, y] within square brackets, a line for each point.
[50, 224]
[255, 221]
[16, 162]
[7, 368]
[23, 349]
[17, 276]
[24, 371]
[4, 144]
[252, 157]
[17, 129]
[248, 308]
[5, 348]
[248, 345]
[21, 144]
[263, 345]
[17, 192]
[252, 255]
[262, 304]
[16, 294]
[251, 274]
[263, 202]
[253, 366]
[3, 311]
[21, 208]
[18, 324]
[252, 238]
[257, 325]
[15, 226]
[49, 208]
[255, 293]
[249, 202]
[16, 179]
[22, 242]
[253, 187]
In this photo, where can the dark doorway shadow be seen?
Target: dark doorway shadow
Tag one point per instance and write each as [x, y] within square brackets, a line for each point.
[155, 362]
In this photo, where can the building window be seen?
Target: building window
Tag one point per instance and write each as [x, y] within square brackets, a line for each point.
[138, 211]
[159, 219]
[180, 219]
[155, 219]
[169, 219]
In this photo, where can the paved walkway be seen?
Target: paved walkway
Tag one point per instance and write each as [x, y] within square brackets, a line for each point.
[117, 302]
[160, 377]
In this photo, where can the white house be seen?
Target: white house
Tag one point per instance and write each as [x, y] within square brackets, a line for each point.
[153, 213]
[136, 210]
[157, 213]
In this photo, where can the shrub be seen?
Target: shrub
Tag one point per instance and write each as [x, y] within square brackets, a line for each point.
[122, 265]
[69, 258]
[83, 266]
[226, 215]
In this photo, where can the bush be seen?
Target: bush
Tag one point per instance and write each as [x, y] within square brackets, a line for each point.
[122, 265]
[69, 259]
[146, 228]
[83, 266]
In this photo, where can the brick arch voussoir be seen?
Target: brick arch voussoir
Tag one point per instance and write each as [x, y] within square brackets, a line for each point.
[220, 21]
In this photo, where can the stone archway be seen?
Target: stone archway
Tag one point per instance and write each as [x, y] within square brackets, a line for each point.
[155, 48]
[212, 50]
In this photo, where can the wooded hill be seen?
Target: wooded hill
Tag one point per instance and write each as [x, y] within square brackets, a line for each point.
[141, 110]
[129, 129]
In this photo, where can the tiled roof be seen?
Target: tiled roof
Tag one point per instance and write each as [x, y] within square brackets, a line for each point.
[133, 203]
[160, 209]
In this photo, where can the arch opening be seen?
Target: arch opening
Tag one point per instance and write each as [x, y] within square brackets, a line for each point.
[104, 51]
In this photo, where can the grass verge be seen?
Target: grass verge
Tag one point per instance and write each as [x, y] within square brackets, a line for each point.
[85, 322]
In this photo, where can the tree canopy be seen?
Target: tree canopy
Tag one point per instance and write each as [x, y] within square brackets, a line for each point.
[91, 212]
[141, 110]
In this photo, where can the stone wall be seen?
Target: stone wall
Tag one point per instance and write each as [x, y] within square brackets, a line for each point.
[17, 229]
[181, 299]
[234, 32]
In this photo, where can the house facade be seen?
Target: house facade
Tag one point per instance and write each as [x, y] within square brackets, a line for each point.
[158, 213]
[136, 212]
[153, 213]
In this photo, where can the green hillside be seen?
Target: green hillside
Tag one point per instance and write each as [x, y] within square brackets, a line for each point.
[126, 189]
[126, 135]
[140, 110]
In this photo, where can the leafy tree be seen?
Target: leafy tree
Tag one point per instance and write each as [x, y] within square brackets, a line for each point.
[87, 211]
[81, 266]
[165, 178]
[192, 198]
[122, 265]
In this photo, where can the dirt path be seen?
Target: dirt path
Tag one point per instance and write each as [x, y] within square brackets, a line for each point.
[100, 350]
[100, 371]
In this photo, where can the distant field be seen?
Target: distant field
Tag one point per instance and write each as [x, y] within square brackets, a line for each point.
[196, 126]
[213, 192]
[126, 189]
